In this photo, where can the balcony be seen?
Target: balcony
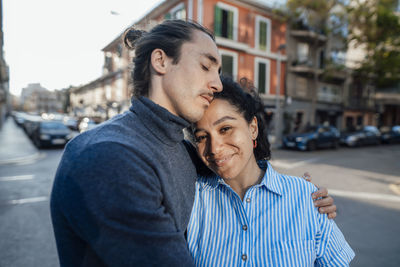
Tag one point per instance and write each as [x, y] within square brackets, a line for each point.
[361, 103]
[304, 67]
[308, 36]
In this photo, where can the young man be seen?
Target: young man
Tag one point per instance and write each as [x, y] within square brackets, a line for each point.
[123, 192]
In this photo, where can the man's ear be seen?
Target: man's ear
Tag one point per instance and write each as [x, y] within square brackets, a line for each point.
[159, 61]
[254, 128]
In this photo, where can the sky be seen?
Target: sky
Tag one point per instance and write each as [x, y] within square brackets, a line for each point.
[58, 43]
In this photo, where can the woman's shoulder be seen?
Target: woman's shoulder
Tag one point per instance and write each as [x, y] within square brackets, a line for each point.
[293, 184]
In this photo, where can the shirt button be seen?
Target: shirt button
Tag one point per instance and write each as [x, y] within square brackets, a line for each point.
[244, 227]
[248, 200]
[244, 257]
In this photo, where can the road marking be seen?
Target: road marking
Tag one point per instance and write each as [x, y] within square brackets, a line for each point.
[17, 178]
[27, 159]
[31, 160]
[28, 200]
[395, 188]
[291, 165]
[364, 195]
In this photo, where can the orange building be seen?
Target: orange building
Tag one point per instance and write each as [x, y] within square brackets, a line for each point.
[248, 35]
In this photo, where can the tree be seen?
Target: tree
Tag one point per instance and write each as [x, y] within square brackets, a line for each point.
[375, 26]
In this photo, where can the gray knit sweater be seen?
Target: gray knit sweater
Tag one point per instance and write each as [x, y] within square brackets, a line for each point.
[123, 192]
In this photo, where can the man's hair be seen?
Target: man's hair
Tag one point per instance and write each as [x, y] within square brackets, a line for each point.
[167, 36]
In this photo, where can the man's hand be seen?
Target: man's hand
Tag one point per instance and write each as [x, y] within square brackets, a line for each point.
[322, 200]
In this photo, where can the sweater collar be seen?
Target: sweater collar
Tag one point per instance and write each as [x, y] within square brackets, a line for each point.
[165, 126]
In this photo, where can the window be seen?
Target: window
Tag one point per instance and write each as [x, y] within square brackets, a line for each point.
[321, 59]
[229, 63]
[225, 21]
[263, 33]
[302, 53]
[178, 12]
[262, 75]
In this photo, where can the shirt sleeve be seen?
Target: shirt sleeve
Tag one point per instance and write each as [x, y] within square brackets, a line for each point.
[332, 247]
[113, 201]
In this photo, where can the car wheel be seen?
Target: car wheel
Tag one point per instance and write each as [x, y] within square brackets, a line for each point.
[311, 145]
[38, 143]
[335, 144]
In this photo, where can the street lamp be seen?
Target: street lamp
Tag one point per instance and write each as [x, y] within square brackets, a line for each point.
[277, 97]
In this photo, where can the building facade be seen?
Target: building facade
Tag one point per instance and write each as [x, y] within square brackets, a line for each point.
[248, 35]
[5, 98]
[37, 99]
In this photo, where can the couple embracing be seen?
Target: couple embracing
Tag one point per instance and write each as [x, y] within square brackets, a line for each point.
[133, 192]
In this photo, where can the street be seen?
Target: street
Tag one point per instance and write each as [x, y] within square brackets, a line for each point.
[364, 181]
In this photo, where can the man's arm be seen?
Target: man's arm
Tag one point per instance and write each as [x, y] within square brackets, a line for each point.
[113, 201]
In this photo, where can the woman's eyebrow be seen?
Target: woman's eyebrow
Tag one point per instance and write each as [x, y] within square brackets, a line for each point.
[223, 119]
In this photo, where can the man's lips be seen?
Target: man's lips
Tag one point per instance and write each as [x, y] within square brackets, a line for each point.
[207, 97]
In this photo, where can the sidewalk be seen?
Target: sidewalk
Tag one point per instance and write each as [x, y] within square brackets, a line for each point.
[15, 145]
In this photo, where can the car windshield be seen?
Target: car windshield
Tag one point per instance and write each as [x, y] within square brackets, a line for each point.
[52, 125]
[307, 129]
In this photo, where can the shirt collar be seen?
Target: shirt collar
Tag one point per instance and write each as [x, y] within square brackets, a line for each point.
[165, 126]
[271, 179]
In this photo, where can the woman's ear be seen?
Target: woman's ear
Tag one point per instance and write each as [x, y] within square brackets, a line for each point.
[254, 128]
[159, 61]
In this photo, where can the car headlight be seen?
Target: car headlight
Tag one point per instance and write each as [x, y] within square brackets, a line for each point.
[351, 138]
[45, 137]
[69, 136]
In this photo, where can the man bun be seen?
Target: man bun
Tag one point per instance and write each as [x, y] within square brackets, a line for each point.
[131, 37]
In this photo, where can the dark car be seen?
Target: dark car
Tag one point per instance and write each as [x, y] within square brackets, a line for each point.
[391, 136]
[367, 135]
[51, 133]
[313, 137]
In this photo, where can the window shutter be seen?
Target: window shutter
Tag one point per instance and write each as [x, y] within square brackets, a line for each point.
[167, 16]
[262, 73]
[230, 25]
[263, 35]
[217, 21]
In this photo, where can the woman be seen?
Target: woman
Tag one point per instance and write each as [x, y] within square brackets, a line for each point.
[248, 214]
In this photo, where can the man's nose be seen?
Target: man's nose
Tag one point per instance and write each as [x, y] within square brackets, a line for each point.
[216, 84]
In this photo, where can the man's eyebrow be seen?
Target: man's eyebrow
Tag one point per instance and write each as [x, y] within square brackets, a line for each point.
[213, 59]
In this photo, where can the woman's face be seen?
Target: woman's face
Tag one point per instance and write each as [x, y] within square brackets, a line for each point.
[225, 140]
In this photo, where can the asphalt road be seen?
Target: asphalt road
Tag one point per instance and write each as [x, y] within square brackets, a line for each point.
[363, 181]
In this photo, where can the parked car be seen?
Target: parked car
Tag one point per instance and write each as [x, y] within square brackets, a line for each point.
[29, 124]
[86, 124]
[367, 135]
[313, 137]
[19, 118]
[391, 136]
[51, 133]
[71, 123]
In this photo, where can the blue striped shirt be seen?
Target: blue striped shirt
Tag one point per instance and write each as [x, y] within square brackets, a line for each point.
[276, 224]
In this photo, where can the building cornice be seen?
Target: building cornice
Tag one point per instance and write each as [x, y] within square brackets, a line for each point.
[246, 48]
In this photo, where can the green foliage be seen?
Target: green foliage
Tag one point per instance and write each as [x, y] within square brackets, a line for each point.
[375, 26]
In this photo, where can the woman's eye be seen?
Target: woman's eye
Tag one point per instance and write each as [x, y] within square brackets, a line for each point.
[225, 129]
[200, 138]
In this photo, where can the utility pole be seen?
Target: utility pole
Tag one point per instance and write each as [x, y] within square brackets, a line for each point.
[278, 131]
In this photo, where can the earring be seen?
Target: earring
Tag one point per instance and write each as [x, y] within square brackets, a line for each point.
[255, 144]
